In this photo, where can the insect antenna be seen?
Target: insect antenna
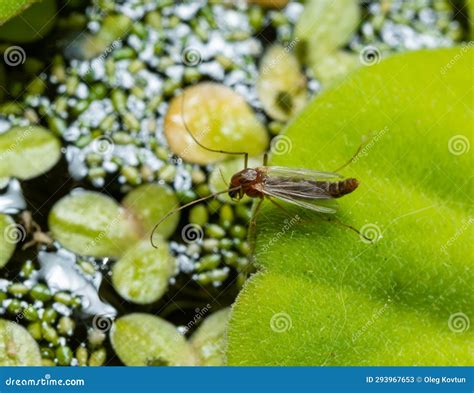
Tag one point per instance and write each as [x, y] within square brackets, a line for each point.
[245, 154]
[184, 207]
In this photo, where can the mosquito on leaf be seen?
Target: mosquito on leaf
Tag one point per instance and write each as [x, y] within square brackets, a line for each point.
[306, 188]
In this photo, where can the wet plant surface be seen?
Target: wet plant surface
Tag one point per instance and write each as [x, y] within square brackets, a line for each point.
[94, 151]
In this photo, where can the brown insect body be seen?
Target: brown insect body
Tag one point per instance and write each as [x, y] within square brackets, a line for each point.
[339, 188]
[250, 181]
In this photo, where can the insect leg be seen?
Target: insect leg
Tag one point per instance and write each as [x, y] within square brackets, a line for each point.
[361, 146]
[265, 159]
[333, 219]
[284, 209]
[339, 222]
[253, 225]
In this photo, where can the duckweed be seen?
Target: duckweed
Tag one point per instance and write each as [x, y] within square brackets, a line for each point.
[141, 275]
[209, 340]
[141, 339]
[222, 121]
[90, 223]
[149, 203]
[17, 346]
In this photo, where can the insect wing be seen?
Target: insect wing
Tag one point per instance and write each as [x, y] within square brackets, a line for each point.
[300, 173]
[317, 205]
[298, 186]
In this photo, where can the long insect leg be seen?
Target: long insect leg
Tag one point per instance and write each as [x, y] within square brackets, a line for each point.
[361, 146]
[336, 221]
[186, 127]
[253, 225]
[265, 159]
[333, 220]
[281, 207]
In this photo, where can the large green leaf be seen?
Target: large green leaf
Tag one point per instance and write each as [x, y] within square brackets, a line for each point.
[323, 295]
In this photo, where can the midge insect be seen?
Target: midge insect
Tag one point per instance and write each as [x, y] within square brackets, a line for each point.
[305, 188]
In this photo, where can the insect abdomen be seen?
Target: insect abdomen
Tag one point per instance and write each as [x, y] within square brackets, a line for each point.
[338, 188]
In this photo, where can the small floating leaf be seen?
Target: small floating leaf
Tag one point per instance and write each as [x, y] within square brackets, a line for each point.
[270, 3]
[27, 152]
[333, 67]
[113, 29]
[149, 203]
[218, 118]
[7, 246]
[17, 347]
[90, 223]
[281, 85]
[209, 340]
[145, 340]
[142, 274]
[219, 179]
[325, 26]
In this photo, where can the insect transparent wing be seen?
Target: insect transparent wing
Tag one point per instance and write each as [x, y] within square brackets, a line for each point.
[299, 187]
[315, 204]
[299, 173]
